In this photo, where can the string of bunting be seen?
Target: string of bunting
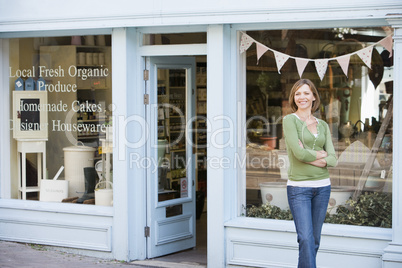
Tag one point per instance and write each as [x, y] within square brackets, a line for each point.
[321, 65]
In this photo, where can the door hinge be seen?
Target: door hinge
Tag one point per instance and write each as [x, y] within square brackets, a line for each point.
[146, 99]
[147, 231]
[146, 75]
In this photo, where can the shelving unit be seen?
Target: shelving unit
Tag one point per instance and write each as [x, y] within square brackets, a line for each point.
[172, 122]
[87, 70]
[201, 127]
[93, 93]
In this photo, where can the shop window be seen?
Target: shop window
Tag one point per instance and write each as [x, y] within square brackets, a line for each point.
[60, 103]
[174, 39]
[356, 106]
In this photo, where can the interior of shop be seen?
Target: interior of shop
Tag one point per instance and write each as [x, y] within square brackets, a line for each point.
[75, 74]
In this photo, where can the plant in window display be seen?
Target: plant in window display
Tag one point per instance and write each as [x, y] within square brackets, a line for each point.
[268, 211]
[371, 209]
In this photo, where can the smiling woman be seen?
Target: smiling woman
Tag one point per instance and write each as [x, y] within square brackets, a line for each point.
[310, 151]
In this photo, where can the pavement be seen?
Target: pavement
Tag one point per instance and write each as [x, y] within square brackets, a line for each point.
[22, 255]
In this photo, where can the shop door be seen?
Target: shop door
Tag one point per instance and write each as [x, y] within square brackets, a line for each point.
[170, 182]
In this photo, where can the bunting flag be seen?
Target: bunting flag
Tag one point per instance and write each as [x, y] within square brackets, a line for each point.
[321, 65]
[365, 55]
[280, 59]
[261, 49]
[387, 44]
[301, 65]
[344, 63]
[245, 43]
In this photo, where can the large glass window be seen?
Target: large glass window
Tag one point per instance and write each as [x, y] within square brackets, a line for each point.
[61, 120]
[357, 107]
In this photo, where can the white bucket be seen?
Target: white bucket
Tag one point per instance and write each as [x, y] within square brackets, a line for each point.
[104, 197]
[339, 196]
[76, 158]
[274, 193]
[53, 190]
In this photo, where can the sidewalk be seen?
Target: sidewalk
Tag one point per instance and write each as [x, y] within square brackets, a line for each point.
[22, 255]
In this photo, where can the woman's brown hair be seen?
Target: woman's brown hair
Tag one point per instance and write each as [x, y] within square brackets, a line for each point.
[296, 86]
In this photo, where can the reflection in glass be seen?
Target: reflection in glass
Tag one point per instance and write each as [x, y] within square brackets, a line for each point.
[74, 75]
[357, 107]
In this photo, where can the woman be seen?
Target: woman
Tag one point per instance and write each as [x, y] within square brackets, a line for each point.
[310, 151]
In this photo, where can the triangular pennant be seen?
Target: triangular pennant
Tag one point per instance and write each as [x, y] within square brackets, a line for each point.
[344, 63]
[280, 59]
[261, 49]
[387, 44]
[245, 43]
[321, 65]
[301, 64]
[365, 55]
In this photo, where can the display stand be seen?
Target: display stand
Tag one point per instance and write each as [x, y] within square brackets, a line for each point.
[24, 147]
[30, 131]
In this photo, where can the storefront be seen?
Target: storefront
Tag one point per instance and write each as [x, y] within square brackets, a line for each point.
[117, 124]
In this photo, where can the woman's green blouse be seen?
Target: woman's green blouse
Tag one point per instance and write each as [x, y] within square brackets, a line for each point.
[294, 130]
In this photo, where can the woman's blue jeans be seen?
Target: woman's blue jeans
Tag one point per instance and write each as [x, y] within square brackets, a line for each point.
[309, 207]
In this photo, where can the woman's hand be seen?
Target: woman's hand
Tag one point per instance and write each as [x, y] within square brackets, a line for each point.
[321, 154]
[301, 144]
[318, 163]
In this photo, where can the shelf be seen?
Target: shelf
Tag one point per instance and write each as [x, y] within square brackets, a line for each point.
[95, 88]
[261, 68]
[91, 120]
[88, 137]
[30, 189]
[91, 66]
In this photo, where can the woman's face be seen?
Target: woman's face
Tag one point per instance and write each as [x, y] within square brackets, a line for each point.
[304, 98]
